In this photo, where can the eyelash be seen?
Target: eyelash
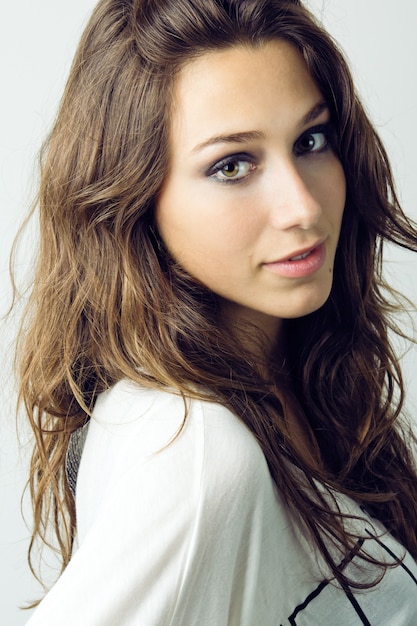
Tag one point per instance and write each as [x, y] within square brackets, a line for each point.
[214, 171]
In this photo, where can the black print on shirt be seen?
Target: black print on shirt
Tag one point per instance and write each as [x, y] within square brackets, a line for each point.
[358, 614]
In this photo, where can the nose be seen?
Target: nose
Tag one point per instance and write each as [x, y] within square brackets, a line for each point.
[293, 203]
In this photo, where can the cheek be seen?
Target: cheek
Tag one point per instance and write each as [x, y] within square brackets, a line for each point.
[333, 190]
[202, 243]
[340, 192]
[192, 239]
[203, 228]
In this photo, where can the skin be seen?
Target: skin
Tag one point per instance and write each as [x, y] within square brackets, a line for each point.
[280, 191]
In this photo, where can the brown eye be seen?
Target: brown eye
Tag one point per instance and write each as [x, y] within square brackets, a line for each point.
[311, 142]
[233, 169]
[230, 170]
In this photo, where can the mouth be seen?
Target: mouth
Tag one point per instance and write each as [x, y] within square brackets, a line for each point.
[299, 255]
[300, 263]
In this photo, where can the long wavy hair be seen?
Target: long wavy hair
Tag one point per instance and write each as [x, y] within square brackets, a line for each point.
[108, 302]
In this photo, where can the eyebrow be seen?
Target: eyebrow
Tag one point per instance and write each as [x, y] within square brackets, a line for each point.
[254, 135]
[315, 112]
[243, 137]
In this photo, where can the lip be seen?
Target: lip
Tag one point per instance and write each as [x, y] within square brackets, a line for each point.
[315, 259]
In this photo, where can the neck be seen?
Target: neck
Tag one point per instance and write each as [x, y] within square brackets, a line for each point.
[258, 332]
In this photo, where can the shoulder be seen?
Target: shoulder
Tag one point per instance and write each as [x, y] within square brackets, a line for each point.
[164, 515]
[153, 419]
[153, 441]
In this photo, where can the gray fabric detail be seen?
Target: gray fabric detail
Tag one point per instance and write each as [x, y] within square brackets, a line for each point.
[73, 457]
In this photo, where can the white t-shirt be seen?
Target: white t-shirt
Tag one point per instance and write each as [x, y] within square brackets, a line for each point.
[193, 533]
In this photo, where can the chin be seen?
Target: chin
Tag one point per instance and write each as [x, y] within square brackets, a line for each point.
[308, 306]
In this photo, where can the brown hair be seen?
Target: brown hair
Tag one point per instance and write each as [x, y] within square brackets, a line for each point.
[108, 302]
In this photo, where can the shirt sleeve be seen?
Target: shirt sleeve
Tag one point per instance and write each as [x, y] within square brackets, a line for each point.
[162, 522]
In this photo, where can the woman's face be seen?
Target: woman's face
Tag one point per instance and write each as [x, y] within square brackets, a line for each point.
[253, 200]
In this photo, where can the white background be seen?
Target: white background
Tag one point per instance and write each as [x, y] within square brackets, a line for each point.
[37, 42]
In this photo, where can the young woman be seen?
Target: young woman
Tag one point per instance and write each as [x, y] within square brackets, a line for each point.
[208, 331]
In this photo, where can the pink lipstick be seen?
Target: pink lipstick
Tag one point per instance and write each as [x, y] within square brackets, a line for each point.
[300, 265]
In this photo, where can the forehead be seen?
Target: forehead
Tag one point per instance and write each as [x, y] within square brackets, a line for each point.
[242, 84]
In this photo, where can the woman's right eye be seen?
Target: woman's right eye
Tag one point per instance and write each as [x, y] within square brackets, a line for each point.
[232, 169]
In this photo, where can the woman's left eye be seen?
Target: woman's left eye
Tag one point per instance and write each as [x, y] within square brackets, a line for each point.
[232, 169]
[314, 140]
